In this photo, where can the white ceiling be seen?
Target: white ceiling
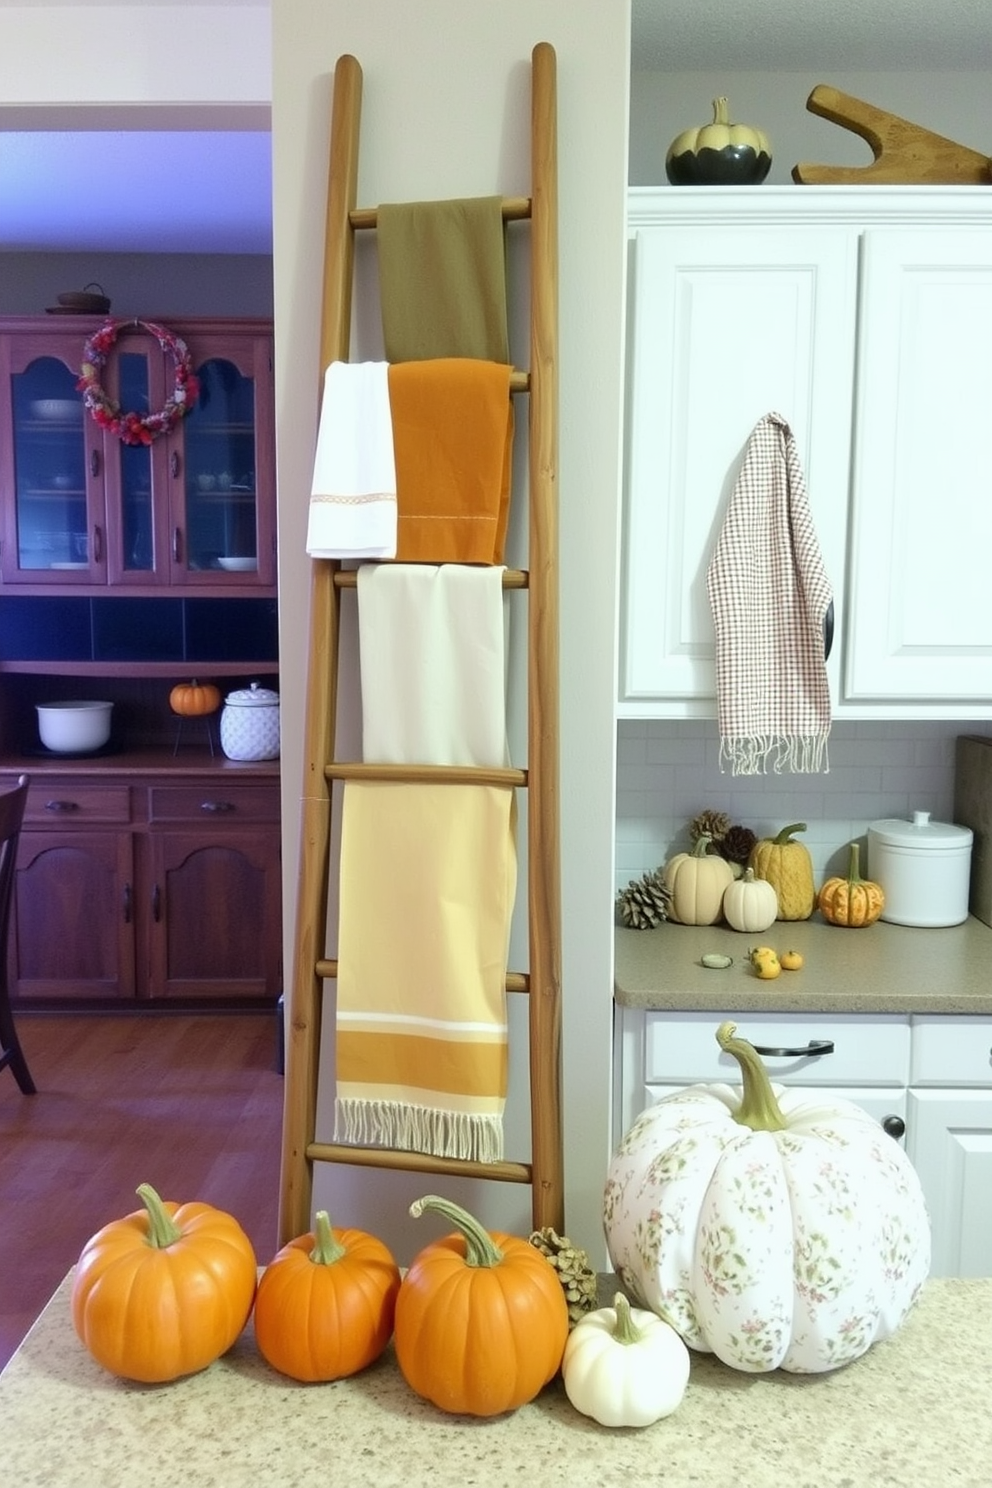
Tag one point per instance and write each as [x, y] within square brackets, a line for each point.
[219, 201]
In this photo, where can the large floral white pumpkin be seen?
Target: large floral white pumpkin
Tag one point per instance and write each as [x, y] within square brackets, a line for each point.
[770, 1228]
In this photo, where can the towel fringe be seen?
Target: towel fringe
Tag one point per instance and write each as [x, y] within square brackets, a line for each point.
[802, 754]
[405, 1128]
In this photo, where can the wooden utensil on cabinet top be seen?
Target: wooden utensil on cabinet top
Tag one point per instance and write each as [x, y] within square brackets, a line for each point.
[905, 154]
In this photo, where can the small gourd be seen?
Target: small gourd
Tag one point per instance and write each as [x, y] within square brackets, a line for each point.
[697, 882]
[750, 903]
[194, 699]
[719, 154]
[788, 867]
[791, 960]
[766, 964]
[624, 1366]
[852, 901]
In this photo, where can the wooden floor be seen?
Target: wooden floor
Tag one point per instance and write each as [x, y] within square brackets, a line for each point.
[191, 1104]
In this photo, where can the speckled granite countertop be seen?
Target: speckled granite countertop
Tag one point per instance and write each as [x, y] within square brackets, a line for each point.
[879, 968]
[914, 1410]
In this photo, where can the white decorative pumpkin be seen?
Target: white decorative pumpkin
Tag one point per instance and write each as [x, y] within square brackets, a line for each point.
[624, 1367]
[750, 903]
[768, 1227]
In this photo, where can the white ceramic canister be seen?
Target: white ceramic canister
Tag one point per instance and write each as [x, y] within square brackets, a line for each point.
[249, 724]
[924, 869]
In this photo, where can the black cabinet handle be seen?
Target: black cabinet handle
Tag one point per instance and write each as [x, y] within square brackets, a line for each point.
[218, 807]
[177, 545]
[813, 1050]
[97, 544]
[894, 1126]
[64, 806]
[94, 462]
[174, 464]
[828, 631]
[126, 897]
[156, 904]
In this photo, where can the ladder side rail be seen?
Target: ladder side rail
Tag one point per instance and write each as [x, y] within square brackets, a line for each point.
[304, 1022]
[544, 853]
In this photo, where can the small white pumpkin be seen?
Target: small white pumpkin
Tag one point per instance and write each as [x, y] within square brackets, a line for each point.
[624, 1367]
[750, 903]
[772, 1227]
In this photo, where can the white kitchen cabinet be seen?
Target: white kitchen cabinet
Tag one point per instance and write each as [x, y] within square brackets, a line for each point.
[657, 1053]
[920, 624]
[863, 317]
[950, 1139]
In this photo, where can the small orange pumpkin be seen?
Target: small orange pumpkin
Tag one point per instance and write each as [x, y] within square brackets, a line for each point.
[481, 1318]
[194, 699]
[852, 901]
[325, 1303]
[164, 1291]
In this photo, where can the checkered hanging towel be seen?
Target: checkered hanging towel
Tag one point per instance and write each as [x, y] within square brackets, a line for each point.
[769, 594]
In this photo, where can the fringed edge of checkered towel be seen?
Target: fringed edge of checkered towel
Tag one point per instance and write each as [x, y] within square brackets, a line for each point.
[406, 1128]
[805, 755]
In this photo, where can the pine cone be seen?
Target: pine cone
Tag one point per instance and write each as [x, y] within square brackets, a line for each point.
[578, 1280]
[644, 904]
[737, 844]
[713, 824]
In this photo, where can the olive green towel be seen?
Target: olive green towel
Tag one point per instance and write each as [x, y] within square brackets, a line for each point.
[442, 280]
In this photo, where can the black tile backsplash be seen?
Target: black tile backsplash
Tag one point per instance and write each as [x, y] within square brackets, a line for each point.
[122, 629]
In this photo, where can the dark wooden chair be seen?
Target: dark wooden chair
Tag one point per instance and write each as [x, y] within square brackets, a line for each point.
[12, 804]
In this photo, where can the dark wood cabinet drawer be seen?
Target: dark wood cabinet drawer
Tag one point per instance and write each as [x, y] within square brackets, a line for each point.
[217, 801]
[63, 802]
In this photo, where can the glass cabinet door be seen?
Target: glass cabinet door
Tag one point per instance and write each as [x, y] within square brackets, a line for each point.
[136, 545]
[52, 458]
[221, 529]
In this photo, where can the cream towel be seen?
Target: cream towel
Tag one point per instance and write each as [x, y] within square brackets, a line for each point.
[428, 874]
[769, 595]
[353, 495]
[432, 643]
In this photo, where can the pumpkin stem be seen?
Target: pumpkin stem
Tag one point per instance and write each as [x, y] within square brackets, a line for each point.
[758, 1108]
[162, 1228]
[625, 1329]
[480, 1248]
[327, 1248]
[721, 111]
[702, 845]
[785, 836]
[854, 864]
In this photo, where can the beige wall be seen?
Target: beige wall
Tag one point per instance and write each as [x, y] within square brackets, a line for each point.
[446, 113]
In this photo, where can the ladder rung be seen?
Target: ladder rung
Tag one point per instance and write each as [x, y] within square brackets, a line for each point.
[513, 578]
[425, 774]
[516, 981]
[418, 1162]
[515, 209]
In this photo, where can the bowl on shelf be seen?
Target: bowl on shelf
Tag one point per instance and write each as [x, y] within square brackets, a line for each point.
[238, 565]
[90, 300]
[57, 408]
[74, 727]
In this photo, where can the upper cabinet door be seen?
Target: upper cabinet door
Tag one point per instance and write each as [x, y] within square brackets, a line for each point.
[726, 325]
[51, 462]
[920, 619]
[221, 465]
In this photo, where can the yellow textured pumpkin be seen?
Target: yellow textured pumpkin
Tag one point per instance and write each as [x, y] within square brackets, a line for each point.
[697, 882]
[194, 699]
[852, 901]
[788, 867]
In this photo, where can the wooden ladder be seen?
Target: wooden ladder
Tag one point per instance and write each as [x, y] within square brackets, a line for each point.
[311, 967]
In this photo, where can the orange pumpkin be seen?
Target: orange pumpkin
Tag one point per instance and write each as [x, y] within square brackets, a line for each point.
[325, 1304]
[481, 1318]
[194, 699]
[164, 1291]
[852, 901]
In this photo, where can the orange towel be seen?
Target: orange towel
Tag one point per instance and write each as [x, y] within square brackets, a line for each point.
[453, 444]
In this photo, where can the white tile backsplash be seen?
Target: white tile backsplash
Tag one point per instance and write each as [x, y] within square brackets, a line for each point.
[669, 771]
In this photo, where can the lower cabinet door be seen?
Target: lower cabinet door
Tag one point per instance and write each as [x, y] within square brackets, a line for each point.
[951, 1148]
[213, 914]
[72, 931]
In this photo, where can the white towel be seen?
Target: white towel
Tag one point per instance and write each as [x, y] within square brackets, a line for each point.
[353, 495]
[432, 642]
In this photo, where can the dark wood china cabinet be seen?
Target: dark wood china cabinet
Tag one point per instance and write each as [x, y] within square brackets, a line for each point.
[148, 871]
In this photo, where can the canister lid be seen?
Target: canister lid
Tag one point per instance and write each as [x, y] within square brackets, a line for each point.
[253, 697]
[921, 833]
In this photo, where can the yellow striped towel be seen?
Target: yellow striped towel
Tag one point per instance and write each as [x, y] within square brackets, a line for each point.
[428, 876]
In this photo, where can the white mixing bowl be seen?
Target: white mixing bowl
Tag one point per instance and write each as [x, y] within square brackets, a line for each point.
[74, 728]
